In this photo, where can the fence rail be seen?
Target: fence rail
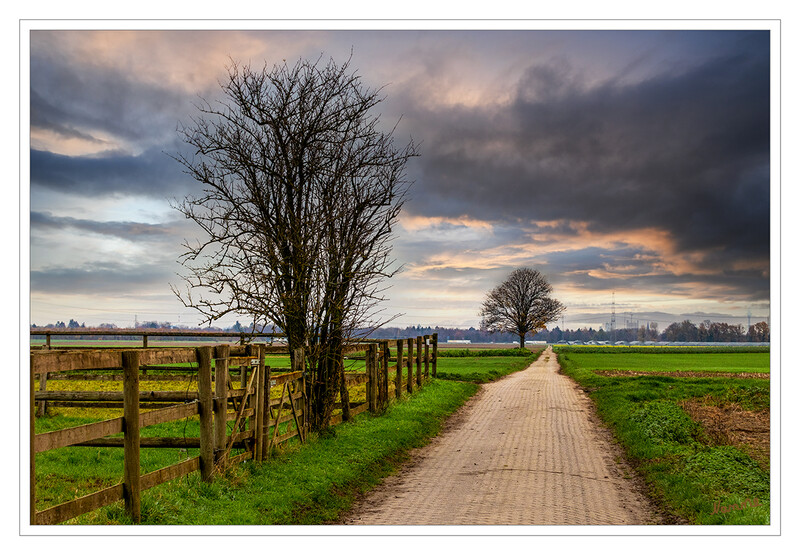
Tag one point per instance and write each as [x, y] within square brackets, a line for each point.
[260, 419]
[241, 336]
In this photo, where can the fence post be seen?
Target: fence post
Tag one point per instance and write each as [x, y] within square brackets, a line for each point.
[144, 340]
[258, 431]
[32, 446]
[344, 394]
[378, 381]
[250, 351]
[42, 410]
[435, 352]
[220, 404]
[206, 395]
[265, 408]
[47, 341]
[372, 377]
[243, 368]
[427, 340]
[419, 361]
[384, 375]
[410, 365]
[131, 485]
[398, 378]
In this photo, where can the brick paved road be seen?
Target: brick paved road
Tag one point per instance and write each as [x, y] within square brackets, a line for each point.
[523, 451]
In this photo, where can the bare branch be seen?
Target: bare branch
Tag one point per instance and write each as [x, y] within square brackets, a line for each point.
[520, 305]
[301, 188]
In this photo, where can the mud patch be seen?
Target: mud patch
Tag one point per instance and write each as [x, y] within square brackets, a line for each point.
[731, 425]
[633, 373]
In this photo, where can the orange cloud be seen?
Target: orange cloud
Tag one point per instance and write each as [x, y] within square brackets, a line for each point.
[419, 223]
[558, 236]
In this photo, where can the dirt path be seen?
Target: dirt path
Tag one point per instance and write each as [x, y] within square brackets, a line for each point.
[525, 450]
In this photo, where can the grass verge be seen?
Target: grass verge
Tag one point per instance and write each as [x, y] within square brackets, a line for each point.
[306, 484]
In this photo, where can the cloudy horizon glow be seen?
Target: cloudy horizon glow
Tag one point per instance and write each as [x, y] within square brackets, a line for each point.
[632, 162]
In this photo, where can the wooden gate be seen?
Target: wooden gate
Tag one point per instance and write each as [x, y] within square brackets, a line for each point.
[246, 402]
[290, 409]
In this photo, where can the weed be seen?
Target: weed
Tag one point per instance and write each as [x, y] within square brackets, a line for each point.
[725, 470]
[663, 421]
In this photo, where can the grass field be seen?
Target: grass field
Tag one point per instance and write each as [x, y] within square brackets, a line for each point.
[300, 484]
[485, 368]
[692, 464]
[659, 361]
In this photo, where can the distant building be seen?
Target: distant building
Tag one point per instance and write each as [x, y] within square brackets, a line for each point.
[464, 341]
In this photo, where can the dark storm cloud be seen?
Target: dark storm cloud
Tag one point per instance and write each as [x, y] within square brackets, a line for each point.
[45, 115]
[131, 231]
[152, 173]
[105, 278]
[687, 151]
[627, 268]
[106, 107]
[87, 100]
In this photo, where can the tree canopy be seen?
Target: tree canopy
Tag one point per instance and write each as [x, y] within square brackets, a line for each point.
[301, 187]
[521, 305]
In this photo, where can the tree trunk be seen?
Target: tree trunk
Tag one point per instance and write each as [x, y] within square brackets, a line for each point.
[344, 394]
[327, 382]
[522, 341]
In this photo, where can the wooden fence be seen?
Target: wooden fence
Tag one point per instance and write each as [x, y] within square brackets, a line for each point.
[260, 419]
[48, 334]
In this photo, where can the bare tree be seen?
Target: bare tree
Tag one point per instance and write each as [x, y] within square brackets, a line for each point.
[520, 305]
[300, 191]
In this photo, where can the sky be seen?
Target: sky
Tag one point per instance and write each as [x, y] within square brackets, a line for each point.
[633, 165]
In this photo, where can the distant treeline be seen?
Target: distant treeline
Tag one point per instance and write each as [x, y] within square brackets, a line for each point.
[716, 332]
[686, 331]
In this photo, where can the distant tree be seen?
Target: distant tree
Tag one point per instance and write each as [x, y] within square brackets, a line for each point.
[520, 305]
[685, 331]
[722, 332]
[758, 333]
[647, 333]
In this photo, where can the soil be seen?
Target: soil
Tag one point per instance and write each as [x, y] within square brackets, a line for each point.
[731, 425]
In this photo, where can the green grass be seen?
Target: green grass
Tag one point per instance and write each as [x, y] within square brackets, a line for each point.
[687, 473]
[69, 472]
[674, 362]
[648, 349]
[305, 484]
